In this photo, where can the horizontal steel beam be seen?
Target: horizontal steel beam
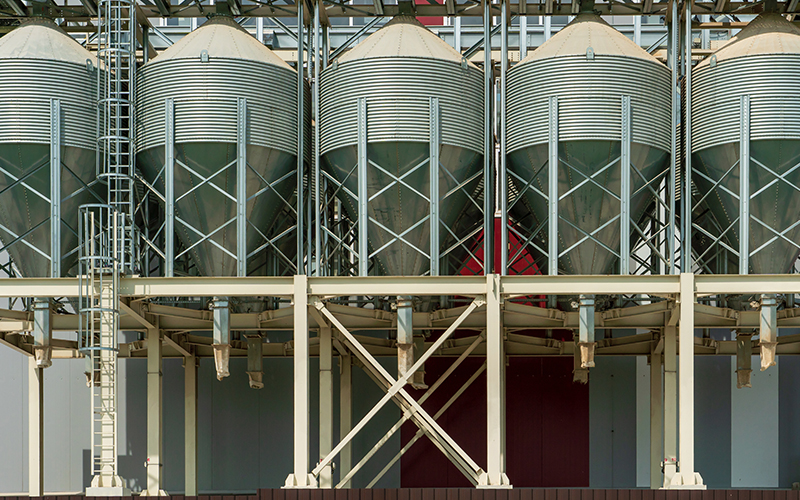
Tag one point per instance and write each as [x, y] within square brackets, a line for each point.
[465, 286]
[15, 8]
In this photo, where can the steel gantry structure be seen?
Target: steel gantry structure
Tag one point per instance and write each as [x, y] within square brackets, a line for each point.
[325, 311]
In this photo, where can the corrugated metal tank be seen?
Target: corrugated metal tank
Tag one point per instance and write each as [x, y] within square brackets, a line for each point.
[205, 72]
[589, 66]
[40, 62]
[762, 61]
[398, 69]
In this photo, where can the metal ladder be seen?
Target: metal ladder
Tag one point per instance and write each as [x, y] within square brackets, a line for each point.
[107, 232]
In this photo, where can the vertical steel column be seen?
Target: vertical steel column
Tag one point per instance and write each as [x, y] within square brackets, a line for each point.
[345, 413]
[35, 429]
[552, 188]
[688, 476]
[676, 103]
[317, 177]
[501, 181]
[488, 149]
[42, 332]
[154, 412]
[433, 164]
[190, 424]
[241, 187]
[325, 403]
[301, 132]
[670, 403]
[363, 196]
[523, 36]
[169, 186]
[495, 386]
[260, 29]
[656, 421]
[300, 478]
[547, 28]
[744, 185]
[625, 188]
[457, 34]
[55, 188]
[686, 232]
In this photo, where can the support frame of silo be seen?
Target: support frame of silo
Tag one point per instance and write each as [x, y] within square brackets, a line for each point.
[164, 242]
[342, 246]
[745, 195]
[55, 254]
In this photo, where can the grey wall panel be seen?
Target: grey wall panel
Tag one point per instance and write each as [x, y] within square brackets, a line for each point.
[13, 418]
[365, 394]
[642, 422]
[172, 419]
[754, 429]
[789, 413]
[712, 421]
[612, 427]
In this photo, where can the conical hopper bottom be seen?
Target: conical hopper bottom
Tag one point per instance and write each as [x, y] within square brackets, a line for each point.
[23, 212]
[777, 206]
[589, 207]
[210, 208]
[399, 209]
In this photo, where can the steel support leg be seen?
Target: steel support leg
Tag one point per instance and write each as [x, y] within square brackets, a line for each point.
[35, 429]
[42, 332]
[744, 186]
[300, 478]
[345, 413]
[433, 163]
[686, 477]
[190, 424]
[495, 476]
[154, 413]
[241, 187]
[55, 188]
[502, 175]
[768, 330]
[523, 36]
[325, 403]
[552, 188]
[625, 187]
[488, 138]
[169, 187]
[301, 133]
[687, 263]
[363, 195]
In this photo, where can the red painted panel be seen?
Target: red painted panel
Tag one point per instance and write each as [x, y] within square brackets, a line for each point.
[547, 426]
[430, 21]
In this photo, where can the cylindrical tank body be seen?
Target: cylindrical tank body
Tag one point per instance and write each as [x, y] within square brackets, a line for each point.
[762, 62]
[205, 73]
[589, 66]
[40, 63]
[399, 70]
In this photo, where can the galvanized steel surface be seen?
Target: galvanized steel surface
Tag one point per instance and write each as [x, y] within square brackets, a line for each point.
[398, 93]
[762, 62]
[205, 102]
[589, 93]
[589, 67]
[38, 63]
[398, 71]
[774, 107]
[205, 89]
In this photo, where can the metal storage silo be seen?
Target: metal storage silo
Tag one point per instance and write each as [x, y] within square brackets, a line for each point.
[399, 98]
[746, 146]
[47, 145]
[214, 105]
[588, 121]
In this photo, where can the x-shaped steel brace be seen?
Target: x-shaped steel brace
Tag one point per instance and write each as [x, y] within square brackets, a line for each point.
[395, 390]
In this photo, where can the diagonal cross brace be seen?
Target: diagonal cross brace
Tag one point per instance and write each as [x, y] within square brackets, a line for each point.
[421, 418]
[396, 427]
